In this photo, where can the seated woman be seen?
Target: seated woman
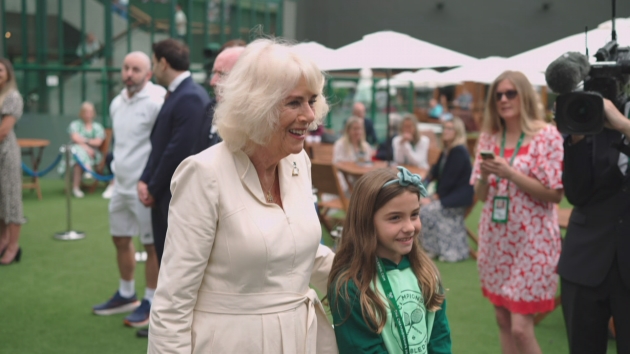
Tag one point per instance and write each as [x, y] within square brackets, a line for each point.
[435, 109]
[411, 148]
[352, 146]
[442, 215]
[86, 136]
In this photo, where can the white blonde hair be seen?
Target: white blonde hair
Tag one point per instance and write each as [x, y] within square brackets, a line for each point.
[252, 93]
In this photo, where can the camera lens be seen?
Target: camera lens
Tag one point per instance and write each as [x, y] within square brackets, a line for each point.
[581, 110]
[580, 113]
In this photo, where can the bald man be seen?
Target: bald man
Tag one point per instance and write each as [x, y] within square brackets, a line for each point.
[222, 65]
[358, 110]
[133, 113]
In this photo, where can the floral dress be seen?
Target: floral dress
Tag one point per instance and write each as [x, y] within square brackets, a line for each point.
[517, 260]
[10, 164]
[97, 131]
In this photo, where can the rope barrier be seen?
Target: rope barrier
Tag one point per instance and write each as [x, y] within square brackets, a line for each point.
[96, 176]
[43, 172]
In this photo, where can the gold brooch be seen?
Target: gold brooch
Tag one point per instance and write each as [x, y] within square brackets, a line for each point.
[295, 171]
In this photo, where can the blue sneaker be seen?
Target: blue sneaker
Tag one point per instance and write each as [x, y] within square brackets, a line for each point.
[117, 304]
[140, 316]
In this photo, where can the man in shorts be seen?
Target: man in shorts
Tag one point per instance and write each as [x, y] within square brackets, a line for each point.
[133, 113]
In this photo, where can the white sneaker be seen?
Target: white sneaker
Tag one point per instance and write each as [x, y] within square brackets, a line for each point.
[77, 193]
[109, 191]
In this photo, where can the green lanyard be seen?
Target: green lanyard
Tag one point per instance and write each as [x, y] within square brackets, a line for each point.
[516, 149]
[398, 320]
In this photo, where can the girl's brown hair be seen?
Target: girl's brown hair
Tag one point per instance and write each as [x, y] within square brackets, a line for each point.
[532, 117]
[356, 258]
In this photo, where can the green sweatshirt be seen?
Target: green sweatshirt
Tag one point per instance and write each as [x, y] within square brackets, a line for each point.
[355, 337]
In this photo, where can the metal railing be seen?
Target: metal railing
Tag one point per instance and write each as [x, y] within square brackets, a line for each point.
[46, 59]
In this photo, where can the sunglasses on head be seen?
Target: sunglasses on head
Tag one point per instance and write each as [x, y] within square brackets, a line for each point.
[509, 94]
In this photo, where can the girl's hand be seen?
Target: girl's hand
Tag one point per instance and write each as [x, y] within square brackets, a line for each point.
[498, 167]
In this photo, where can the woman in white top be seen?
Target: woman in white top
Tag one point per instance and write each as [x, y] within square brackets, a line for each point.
[411, 148]
[243, 237]
[352, 146]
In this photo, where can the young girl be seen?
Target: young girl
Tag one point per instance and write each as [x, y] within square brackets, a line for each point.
[384, 292]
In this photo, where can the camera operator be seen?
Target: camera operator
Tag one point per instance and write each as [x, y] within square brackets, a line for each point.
[595, 260]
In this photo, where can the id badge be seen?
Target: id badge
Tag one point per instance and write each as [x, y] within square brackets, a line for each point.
[500, 207]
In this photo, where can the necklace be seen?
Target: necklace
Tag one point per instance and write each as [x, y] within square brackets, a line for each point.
[268, 196]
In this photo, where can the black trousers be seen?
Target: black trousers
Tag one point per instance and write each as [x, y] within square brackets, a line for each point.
[159, 221]
[587, 311]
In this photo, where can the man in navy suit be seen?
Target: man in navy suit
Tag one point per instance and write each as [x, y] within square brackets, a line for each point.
[174, 133]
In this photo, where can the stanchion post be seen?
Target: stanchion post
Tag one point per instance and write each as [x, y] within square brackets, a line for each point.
[69, 234]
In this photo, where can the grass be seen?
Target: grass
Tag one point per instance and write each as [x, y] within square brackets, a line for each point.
[46, 300]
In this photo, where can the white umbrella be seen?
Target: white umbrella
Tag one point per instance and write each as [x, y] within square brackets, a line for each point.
[320, 54]
[539, 58]
[486, 70]
[432, 78]
[422, 78]
[622, 24]
[399, 80]
[393, 50]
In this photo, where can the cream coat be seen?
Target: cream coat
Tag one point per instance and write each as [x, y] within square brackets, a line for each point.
[236, 270]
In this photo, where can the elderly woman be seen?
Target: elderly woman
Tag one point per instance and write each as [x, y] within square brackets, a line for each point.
[518, 175]
[443, 230]
[86, 136]
[411, 148]
[243, 237]
[11, 217]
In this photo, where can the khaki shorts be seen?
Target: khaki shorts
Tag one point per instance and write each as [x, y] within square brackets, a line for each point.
[128, 217]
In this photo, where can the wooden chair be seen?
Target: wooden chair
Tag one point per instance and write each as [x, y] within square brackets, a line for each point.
[100, 168]
[321, 151]
[433, 155]
[326, 181]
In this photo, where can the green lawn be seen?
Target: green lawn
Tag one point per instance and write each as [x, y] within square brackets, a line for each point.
[45, 301]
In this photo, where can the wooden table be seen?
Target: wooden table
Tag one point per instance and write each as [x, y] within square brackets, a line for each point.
[28, 147]
[358, 170]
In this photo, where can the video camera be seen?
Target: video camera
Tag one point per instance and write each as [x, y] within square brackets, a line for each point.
[582, 112]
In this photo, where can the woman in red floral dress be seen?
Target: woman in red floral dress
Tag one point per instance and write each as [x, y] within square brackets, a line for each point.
[519, 178]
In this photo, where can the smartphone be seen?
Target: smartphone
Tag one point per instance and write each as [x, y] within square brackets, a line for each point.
[487, 155]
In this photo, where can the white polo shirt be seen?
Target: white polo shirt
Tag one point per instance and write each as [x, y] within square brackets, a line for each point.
[132, 122]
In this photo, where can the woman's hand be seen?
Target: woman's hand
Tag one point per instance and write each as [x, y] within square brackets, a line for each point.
[425, 201]
[498, 167]
[89, 150]
[406, 137]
